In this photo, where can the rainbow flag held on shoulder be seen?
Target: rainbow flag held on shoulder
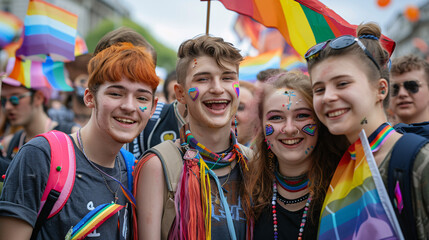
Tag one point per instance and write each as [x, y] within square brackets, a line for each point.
[48, 31]
[357, 205]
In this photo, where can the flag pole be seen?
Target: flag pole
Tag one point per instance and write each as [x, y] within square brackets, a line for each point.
[208, 17]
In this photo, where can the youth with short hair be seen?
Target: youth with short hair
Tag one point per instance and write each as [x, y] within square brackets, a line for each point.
[409, 77]
[207, 73]
[121, 87]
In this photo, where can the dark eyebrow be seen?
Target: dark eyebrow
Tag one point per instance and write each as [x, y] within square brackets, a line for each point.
[201, 73]
[120, 87]
[230, 72]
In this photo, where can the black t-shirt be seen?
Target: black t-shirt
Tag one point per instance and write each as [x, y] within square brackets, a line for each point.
[288, 224]
[26, 180]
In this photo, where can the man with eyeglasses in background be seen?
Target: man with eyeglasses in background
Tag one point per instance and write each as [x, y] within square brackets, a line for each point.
[26, 107]
[409, 89]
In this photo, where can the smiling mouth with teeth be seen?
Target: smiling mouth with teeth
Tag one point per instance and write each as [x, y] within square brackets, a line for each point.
[336, 113]
[291, 141]
[123, 120]
[216, 105]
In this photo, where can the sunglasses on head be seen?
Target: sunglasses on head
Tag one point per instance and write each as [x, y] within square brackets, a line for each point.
[14, 100]
[411, 86]
[338, 43]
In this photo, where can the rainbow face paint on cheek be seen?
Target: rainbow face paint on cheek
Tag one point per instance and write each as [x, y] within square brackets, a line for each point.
[142, 108]
[269, 130]
[236, 87]
[310, 129]
[193, 93]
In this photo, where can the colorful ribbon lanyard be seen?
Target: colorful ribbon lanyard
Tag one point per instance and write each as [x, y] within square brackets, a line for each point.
[205, 165]
[213, 160]
[376, 139]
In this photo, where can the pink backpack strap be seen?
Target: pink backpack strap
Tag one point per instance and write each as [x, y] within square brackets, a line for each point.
[63, 169]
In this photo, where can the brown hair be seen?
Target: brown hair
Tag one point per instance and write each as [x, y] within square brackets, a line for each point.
[380, 55]
[125, 34]
[214, 47]
[122, 60]
[409, 63]
[268, 73]
[78, 66]
[325, 157]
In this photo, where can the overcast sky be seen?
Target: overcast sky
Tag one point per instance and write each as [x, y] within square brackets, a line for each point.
[173, 21]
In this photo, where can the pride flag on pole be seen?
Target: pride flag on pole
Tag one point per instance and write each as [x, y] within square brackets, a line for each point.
[303, 23]
[48, 31]
[357, 205]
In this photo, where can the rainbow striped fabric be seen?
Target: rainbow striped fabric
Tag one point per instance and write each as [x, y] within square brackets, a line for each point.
[303, 23]
[10, 28]
[80, 46]
[93, 220]
[357, 205]
[251, 66]
[48, 30]
[38, 75]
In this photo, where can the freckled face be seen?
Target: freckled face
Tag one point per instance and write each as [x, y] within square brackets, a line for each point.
[285, 114]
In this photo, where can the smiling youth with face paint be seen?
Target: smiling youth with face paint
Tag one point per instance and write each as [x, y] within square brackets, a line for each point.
[211, 198]
[290, 173]
[350, 82]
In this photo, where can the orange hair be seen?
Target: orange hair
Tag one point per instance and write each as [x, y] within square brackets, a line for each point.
[122, 60]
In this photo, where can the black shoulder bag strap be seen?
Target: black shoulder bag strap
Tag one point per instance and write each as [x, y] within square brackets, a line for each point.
[400, 173]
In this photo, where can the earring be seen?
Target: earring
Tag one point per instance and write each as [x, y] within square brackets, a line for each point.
[270, 160]
[383, 91]
[235, 123]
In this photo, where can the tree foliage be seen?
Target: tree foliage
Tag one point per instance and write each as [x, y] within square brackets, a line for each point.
[166, 56]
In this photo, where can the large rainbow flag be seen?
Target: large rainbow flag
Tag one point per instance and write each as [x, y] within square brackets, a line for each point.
[10, 28]
[48, 31]
[38, 75]
[303, 23]
[357, 205]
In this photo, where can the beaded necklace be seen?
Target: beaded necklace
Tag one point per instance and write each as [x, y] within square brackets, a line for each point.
[213, 160]
[292, 184]
[274, 211]
[376, 139]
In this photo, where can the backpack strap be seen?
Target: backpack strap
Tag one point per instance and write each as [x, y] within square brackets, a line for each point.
[61, 177]
[130, 161]
[172, 162]
[400, 180]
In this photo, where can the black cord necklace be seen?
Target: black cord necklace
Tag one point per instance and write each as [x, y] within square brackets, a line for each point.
[292, 201]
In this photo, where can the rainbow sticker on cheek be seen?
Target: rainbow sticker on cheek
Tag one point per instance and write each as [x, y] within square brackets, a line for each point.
[269, 130]
[193, 93]
[236, 87]
[310, 129]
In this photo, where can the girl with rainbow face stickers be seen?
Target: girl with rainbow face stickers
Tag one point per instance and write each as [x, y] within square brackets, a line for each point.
[289, 174]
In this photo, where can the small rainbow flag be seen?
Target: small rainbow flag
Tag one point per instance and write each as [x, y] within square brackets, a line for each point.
[10, 28]
[293, 62]
[357, 205]
[251, 66]
[303, 23]
[48, 30]
[37, 75]
[80, 46]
